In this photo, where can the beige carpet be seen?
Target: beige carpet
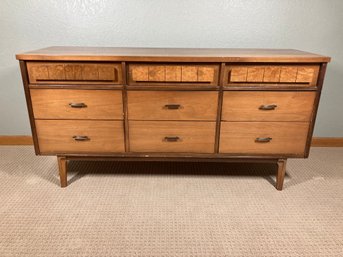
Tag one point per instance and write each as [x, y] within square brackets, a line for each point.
[170, 209]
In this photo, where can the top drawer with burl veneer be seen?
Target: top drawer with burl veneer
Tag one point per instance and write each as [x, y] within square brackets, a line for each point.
[271, 75]
[173, 74]
[74, 73]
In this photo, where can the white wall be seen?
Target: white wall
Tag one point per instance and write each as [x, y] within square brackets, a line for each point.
[310, 25]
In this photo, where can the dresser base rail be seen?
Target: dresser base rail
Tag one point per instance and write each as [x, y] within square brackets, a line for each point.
[63, 164]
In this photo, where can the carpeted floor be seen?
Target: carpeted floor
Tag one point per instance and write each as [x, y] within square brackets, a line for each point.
[170, 209]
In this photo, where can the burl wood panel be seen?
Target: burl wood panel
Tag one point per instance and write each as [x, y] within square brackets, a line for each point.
[168, 73]
[271, 74]
[253, 106]
[172, 105]
[69, 72]
[306, 74]
[56, 104]
[303, 75]
[288, 74]
[190, 74]
[157, 73]
[173, 73]
[139, 72]
[286, 138]
[255, 74]
[193, 137]
[56, 136]
[238, 74]
[206, 74]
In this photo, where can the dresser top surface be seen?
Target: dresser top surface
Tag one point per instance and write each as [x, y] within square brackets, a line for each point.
[74, 53]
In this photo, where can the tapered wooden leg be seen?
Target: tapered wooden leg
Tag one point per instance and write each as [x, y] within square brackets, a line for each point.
[281, 171]
[62, 165]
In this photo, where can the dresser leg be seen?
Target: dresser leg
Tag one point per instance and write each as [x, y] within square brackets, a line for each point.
[281, 163]
[62, 166]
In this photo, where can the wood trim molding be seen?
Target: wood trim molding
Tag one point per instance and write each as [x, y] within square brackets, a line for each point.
[316, 141]
[16, 140]
[327, 142]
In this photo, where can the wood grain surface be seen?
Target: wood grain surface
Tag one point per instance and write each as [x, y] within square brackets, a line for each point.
[150, 136]
[303, 75]
[56, 136]
[71, 72]
[248, 106]
[142, 74]
[56, 104]
[153, 105]
[73, 53]
[286, 137]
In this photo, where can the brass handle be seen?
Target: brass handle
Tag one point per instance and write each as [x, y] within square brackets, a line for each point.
[268, 107]
[172, 139]
[77, 105]
[172, 106]
[81, 138]
[263, 139]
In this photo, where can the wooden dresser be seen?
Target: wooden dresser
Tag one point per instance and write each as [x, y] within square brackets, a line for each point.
[256, 105]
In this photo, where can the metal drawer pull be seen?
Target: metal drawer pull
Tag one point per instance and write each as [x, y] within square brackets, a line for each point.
[77, 105]
[268, 107]
[172, 139]
[172, 106]
[81, 138]
[263, 139]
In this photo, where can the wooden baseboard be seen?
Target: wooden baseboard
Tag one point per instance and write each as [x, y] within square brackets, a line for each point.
[327, 142]
[16, 140]
[316, 141]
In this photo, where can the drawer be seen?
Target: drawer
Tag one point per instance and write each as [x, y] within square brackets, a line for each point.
[80, 136]
[172, 105]
[172, 136]
[259, 138]
[140, 74]
[255, 75]
[267, 106]
[77, 104]
[74, 73]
